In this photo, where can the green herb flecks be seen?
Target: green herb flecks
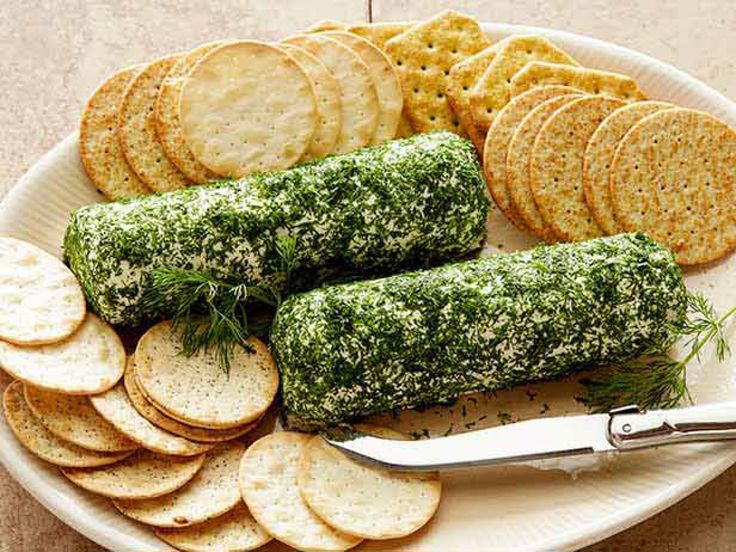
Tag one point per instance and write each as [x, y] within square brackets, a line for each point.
[656, 379]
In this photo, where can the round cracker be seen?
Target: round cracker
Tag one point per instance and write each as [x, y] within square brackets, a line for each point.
[158, 418]
[247, 106]
[91, 360]
[99, 143]
[115, 406]
[40, 441]
[137, 129]
[268, 483]
[674, 178]
[497, 144]
[40, 299]
[143, 474]
[212, 492]
[517, 166]
[219, 400]
[557, 166]
[358, 96]
[599, 157]
[385, 79]
[72, 418]
[366, 501]
[233, 531]
[327, 94]
[168, 124]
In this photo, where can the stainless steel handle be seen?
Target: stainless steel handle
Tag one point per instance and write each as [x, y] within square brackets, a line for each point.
[631, 428]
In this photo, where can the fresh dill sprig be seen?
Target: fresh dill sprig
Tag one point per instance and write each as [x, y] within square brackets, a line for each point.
[209, 313]
[656, 380]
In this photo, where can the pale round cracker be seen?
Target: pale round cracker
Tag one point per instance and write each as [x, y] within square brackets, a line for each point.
[234, 531]
[674, 178]
[518, 159]
[40, 441]
[218, 400]
[358, 96]
[385, 79]
[212, 492]
[366, 501]
[143, 474]
[91, 360]
[497, 143]
[168, 124]
[327, 94]
[599, 156]
[40, 299]
[115, 406]
[158, 418]
[268, 483]
[557, 166]
[99, 143]
[247, 106]
[74, 419]
[137, 129]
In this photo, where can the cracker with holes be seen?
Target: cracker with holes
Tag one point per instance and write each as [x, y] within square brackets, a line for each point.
[219, 400]
[89, 361]
[159, 419]
[234, 530]
[599, 157]
[592, 81]
[674, 177]
[493, 89]
[269, 485]
[40, 441]
[114, 405]
[40, 299]
[358, 97]
[460, 82]
[327, 94]
[423, 56]
[497, 143]
[373, 503]
[137, 129]
[556, 166]
[99, 145]
[210, 493]
[143, 474]
[168, 124]
[380, 33]
[72, 418]
[246, 107]
[385, 81]
[518, 160]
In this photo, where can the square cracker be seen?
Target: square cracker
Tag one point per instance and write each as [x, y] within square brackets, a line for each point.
[423, 56]
[492, 91]
[380, 33]
[460, 82]
[593, 81]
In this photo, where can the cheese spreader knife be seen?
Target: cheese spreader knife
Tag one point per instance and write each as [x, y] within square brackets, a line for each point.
[623, 429]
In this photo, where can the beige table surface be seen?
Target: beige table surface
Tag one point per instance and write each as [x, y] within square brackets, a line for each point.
[54, 53]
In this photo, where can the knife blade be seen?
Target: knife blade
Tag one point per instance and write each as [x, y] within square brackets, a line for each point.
[622, 429]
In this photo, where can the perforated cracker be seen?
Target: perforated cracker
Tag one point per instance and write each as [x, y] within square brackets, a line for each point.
[557, 166]
[380, 33]
[423, 56]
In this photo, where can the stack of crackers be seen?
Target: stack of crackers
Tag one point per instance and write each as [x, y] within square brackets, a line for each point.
[162, 434]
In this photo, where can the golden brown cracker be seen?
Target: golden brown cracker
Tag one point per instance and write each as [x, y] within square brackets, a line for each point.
[674, 178]
[493, 90]
[497, 143]
[380, 33]
[599, 156]
[557, 166]
[423, 56]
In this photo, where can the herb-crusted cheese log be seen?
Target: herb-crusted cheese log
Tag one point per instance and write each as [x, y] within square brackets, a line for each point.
[377, 208]
[481, 325]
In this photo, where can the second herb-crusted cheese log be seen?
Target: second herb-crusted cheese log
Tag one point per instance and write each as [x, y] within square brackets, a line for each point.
[482, 325]
[377, 208]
